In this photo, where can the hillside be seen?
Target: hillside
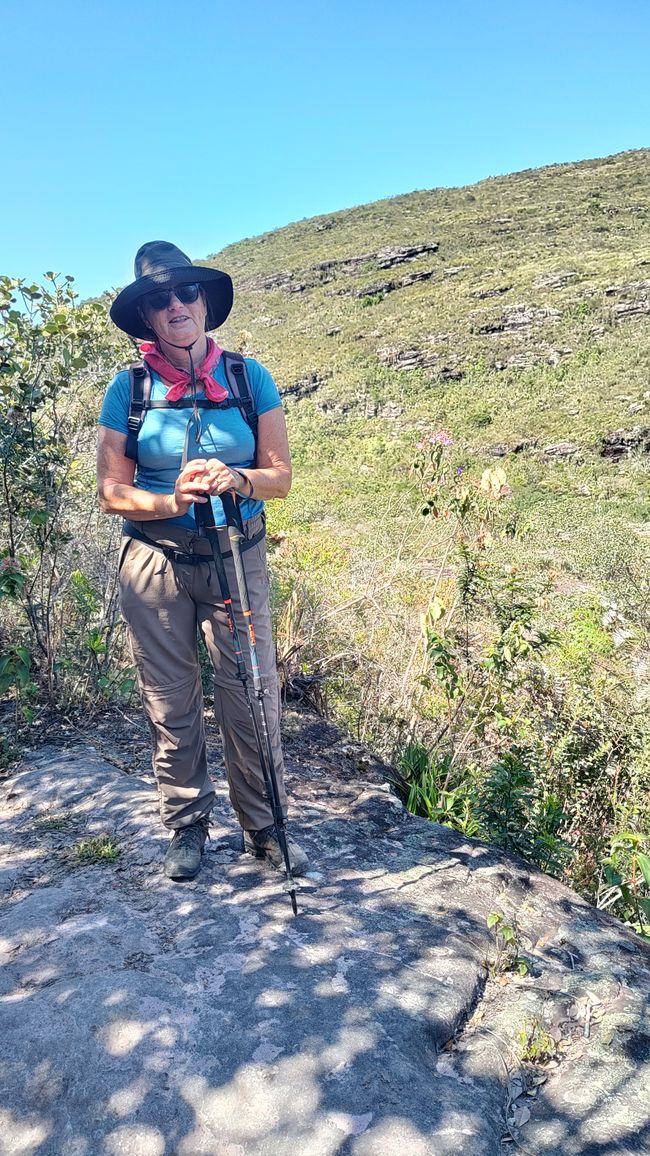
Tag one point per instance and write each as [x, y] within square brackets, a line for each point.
[514, 313]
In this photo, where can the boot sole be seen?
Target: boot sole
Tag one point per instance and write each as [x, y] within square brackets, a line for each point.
[182, 878]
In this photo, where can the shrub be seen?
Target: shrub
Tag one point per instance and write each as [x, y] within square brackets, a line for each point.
[59, 620]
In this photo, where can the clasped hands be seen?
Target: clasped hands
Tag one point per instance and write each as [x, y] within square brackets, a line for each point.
[202, 477]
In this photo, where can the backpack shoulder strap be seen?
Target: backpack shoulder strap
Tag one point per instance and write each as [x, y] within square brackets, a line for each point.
[237, 378]
[139, 394]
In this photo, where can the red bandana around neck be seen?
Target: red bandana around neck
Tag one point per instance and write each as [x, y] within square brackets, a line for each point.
[179, 378]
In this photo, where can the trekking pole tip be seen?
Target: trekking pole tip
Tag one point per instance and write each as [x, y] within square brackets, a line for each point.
[290, 887]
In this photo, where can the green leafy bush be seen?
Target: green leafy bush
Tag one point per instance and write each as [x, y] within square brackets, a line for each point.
[58, 621]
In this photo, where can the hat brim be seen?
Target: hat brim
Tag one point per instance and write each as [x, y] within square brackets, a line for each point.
[216, 285]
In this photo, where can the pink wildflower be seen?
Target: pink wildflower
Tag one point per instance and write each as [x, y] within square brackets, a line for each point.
[441, 437]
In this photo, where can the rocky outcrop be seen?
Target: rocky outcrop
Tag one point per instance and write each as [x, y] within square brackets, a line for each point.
[144, 1017]
[557, 280]
[516, 318]
[419, 358]
[626, 310]
[561, 450]
[384, 287]
[636, 300]
[324, 272]
[621, 443]
[411, 358]
[390, 410]
[626, 288]
[306, 385]
[387, 258]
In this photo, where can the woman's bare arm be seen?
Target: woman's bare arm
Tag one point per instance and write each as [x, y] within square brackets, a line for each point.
[118, 495]
[271, 477]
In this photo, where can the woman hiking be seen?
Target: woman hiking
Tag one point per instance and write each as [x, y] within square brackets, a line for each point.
[193, 441]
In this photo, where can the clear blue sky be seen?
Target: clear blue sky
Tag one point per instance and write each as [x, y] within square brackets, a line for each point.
[206, 122]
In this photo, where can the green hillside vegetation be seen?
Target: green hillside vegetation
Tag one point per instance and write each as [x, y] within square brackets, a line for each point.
[496, 647]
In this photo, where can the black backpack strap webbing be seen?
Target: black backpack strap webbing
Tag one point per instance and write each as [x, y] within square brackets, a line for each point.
[140, 392]
[189, 403]
[237, 378]
[140, 399]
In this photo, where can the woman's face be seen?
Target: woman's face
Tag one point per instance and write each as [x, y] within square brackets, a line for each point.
[178, 324]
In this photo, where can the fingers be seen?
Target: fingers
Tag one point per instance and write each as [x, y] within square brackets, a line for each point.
[203, 476]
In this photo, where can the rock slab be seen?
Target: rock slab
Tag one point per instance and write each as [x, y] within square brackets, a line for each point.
[148, 1018]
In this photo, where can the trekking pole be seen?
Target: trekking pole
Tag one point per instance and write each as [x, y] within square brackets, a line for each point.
[236, 537]
[204, 513]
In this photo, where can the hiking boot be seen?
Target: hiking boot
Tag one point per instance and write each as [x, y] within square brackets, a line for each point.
[183, 858]
[264, 844]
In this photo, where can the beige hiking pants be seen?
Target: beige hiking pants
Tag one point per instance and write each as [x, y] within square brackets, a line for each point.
[163, 603]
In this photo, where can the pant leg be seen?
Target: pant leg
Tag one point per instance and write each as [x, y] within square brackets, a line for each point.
[159, 610]
[248, 793]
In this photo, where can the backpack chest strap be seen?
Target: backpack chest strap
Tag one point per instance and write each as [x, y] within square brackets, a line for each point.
[187, 403]
[140, 399]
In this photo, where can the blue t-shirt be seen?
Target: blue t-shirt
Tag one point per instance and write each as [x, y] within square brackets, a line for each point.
[225, 434]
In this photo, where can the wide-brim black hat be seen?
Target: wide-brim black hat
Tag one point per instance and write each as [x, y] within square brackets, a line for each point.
[161, 265]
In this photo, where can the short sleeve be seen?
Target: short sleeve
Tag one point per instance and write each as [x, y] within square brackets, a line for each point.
[115, 406]
[264, 390]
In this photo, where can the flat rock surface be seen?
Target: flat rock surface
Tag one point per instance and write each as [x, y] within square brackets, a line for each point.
[150, 1018]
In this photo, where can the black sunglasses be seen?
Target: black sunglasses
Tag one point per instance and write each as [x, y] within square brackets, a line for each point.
[160, 299]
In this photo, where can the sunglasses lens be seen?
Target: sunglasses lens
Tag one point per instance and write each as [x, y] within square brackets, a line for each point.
[187, 294]
[159, 300]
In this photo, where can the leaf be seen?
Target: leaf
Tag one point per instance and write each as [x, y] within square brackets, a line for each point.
[644, 865]
[521, 1116]
[437, 609]
[493, 918]
[515, 1087]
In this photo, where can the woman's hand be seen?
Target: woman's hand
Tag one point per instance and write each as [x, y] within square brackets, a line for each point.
[119, 495]
[200, 478]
